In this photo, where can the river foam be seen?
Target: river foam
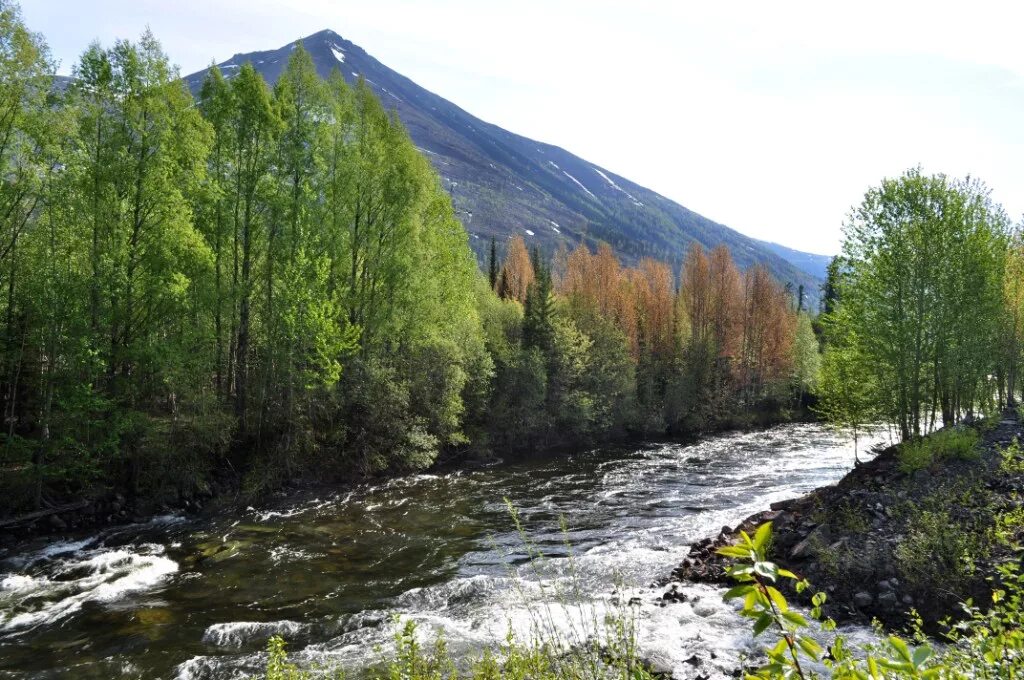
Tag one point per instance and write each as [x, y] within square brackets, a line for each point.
[66, 579]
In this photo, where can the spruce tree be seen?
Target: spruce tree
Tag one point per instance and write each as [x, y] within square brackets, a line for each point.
[538, 312]
[493, 265]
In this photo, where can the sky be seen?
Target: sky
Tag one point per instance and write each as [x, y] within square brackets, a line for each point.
[771, 118]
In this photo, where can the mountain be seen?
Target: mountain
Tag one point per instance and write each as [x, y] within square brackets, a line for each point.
[815, 265]
[503, 183]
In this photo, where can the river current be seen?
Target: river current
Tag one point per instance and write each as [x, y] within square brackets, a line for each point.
[190, 599]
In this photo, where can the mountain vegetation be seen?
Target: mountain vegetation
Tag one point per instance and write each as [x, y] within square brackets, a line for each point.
[260, 284]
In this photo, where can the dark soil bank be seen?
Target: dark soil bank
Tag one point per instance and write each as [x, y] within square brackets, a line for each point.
[883, 542]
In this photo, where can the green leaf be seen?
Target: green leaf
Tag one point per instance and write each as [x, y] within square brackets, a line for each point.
[736, 551]
[762, 623]
[778, 599]
[921, 654]
[766, 569]
[796, 618]
[737, 591]
[901, 648]
[811, 647]
[762, 536]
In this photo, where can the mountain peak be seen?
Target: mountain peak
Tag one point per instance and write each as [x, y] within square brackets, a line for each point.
[325, 34]
[503, 184]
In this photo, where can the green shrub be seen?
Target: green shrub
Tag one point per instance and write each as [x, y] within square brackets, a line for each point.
[796, 650]
[937, 552]
[851, 517]
[1012, 459]
[957, 443]
[988, 645]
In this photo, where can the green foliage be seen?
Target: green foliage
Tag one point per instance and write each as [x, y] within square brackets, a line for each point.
[958, 443]
[937, 552]
[189, 285]
[989, 643]
[1012, 458]
[797, 649]
[806, 356]
[917, 304]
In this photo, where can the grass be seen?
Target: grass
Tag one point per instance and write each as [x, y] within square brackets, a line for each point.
[957, 443]
[938, 552]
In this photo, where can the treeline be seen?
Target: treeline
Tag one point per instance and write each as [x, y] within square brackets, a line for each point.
[585, 348]
[255, 284]
[924, 308]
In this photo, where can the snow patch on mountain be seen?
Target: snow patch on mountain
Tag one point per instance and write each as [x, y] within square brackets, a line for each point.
[618, 188]
[580, 185]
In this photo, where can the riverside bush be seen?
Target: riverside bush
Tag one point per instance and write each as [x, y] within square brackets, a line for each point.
[937, 552]
[1012, 459]
[950, 444]
[988, 645]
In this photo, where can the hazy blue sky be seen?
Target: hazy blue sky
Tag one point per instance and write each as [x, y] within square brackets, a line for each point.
[772, 118]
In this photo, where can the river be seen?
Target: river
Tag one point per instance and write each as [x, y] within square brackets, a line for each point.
[196, 599]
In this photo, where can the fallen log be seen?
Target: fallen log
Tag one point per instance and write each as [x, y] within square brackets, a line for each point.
[39, 514]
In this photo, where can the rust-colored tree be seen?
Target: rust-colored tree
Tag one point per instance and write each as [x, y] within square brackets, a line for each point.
[768, 326]
[695, 293]
[517, 272]
[726, 303]
[652, 286]
[598, 282]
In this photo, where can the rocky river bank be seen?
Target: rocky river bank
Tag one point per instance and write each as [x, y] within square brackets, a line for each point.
[885, 542]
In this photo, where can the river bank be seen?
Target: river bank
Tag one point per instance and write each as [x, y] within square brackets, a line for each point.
[886, 542]
[225, 492]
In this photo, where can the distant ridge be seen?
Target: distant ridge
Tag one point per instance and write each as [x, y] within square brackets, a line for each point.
[815, 265]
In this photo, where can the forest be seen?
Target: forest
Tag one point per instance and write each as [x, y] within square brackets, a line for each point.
[260, 285]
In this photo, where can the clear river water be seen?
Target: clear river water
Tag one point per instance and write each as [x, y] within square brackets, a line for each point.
[189, 599]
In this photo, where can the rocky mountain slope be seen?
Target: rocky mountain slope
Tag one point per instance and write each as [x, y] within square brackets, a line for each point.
[504, 184]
